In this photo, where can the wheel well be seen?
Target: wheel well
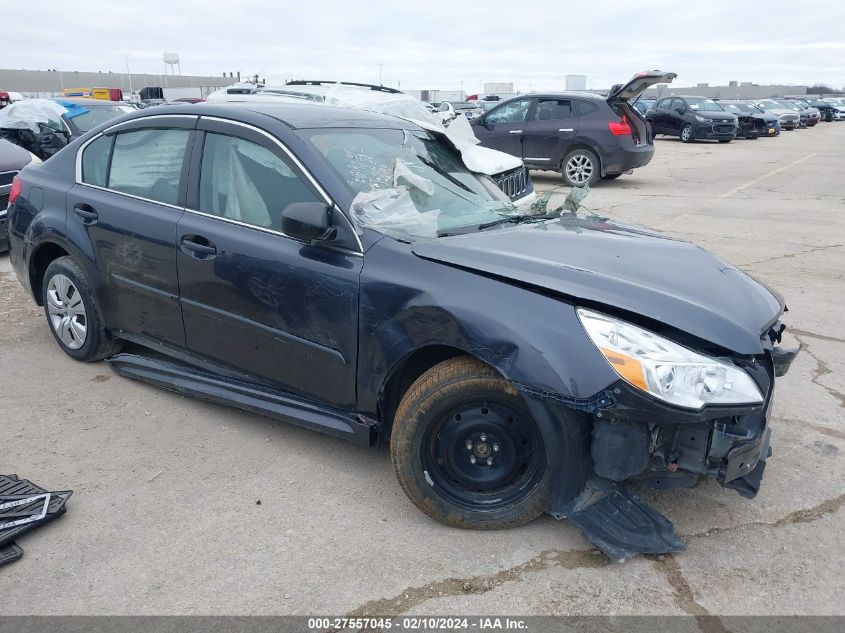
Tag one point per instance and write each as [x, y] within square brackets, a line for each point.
[575, 146]
[45, 254]
[403, 376]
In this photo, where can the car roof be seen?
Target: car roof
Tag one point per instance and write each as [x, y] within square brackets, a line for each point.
[569, 95]
[292, 115]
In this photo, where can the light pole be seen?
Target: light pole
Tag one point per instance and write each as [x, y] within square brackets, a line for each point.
[128, 74]
[379, 74]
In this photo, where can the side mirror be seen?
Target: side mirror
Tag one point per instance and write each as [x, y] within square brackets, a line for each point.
[308, 221]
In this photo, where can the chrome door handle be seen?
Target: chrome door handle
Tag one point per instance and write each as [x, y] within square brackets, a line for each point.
[515, 132]
[566, 129]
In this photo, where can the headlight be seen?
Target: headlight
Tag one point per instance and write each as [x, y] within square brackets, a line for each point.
[664, 369]
[698, 117]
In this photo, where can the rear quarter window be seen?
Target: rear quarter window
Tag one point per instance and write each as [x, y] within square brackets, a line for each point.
[584, 108]
[95, 161]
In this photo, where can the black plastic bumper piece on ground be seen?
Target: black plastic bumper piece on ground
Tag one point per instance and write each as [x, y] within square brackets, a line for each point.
[619, 523]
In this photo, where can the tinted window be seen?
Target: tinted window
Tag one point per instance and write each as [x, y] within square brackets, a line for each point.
[95, 161]
[243, 181]
[148, 163]
[677, 104]
[664, 104]
[585, 107]
[552, 109]
[510, 112]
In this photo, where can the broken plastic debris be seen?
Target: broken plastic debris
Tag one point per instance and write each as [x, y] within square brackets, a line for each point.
[575, 197]
[393, 212]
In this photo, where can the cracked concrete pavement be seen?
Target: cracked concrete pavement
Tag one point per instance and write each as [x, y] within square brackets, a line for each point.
[165, 520]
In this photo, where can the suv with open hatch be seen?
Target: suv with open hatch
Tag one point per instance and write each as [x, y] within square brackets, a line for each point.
[345, 271]
[581, 135]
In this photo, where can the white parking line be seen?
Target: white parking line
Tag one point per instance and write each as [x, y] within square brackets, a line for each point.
[774, 172]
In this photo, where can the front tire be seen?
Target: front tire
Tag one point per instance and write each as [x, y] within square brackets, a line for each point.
[580, 167]
[466, 449]
[687, 135]
[73, 314]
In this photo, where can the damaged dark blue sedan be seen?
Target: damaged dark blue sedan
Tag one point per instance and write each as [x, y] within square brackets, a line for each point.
[346, 271]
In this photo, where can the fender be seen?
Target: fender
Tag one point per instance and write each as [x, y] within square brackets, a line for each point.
[532, 339]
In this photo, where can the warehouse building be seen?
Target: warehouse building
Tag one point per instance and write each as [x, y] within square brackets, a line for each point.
[49, 83]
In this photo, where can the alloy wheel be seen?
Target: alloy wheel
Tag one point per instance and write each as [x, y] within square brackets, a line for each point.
[67, 311]
[579, 169]
[686, 133]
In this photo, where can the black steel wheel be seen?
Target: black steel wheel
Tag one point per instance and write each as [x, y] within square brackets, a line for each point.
[466, 449]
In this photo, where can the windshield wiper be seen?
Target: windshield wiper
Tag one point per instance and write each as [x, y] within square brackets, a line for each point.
[519, 219]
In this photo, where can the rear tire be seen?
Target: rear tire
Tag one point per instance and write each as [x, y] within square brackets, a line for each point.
[687, 135]
[453, 419]
[580, 167]
[72, 313]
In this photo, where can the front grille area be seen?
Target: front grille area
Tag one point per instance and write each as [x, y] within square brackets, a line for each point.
[513, 183]
[723, 129]
[6, 177]
[4, 200]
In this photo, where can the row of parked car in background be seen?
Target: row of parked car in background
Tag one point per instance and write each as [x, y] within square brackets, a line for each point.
[699, 118]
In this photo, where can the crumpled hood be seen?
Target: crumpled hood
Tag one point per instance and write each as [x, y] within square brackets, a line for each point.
[630, 268]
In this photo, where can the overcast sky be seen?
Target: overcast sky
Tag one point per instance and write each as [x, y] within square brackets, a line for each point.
[438, 44]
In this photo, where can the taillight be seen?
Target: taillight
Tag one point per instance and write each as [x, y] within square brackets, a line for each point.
[15, 191]
[620, 128]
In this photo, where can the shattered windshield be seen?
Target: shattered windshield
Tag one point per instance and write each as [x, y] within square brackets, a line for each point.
[408, 183]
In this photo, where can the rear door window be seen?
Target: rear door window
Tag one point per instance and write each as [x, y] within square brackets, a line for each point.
[148, 163]
[553, 109]
[95, 161]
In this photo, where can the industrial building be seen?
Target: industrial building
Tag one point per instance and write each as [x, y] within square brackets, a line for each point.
[49, 83]
[576, 82]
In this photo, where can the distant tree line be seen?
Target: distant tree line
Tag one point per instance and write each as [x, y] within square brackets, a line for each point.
[820, 89]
